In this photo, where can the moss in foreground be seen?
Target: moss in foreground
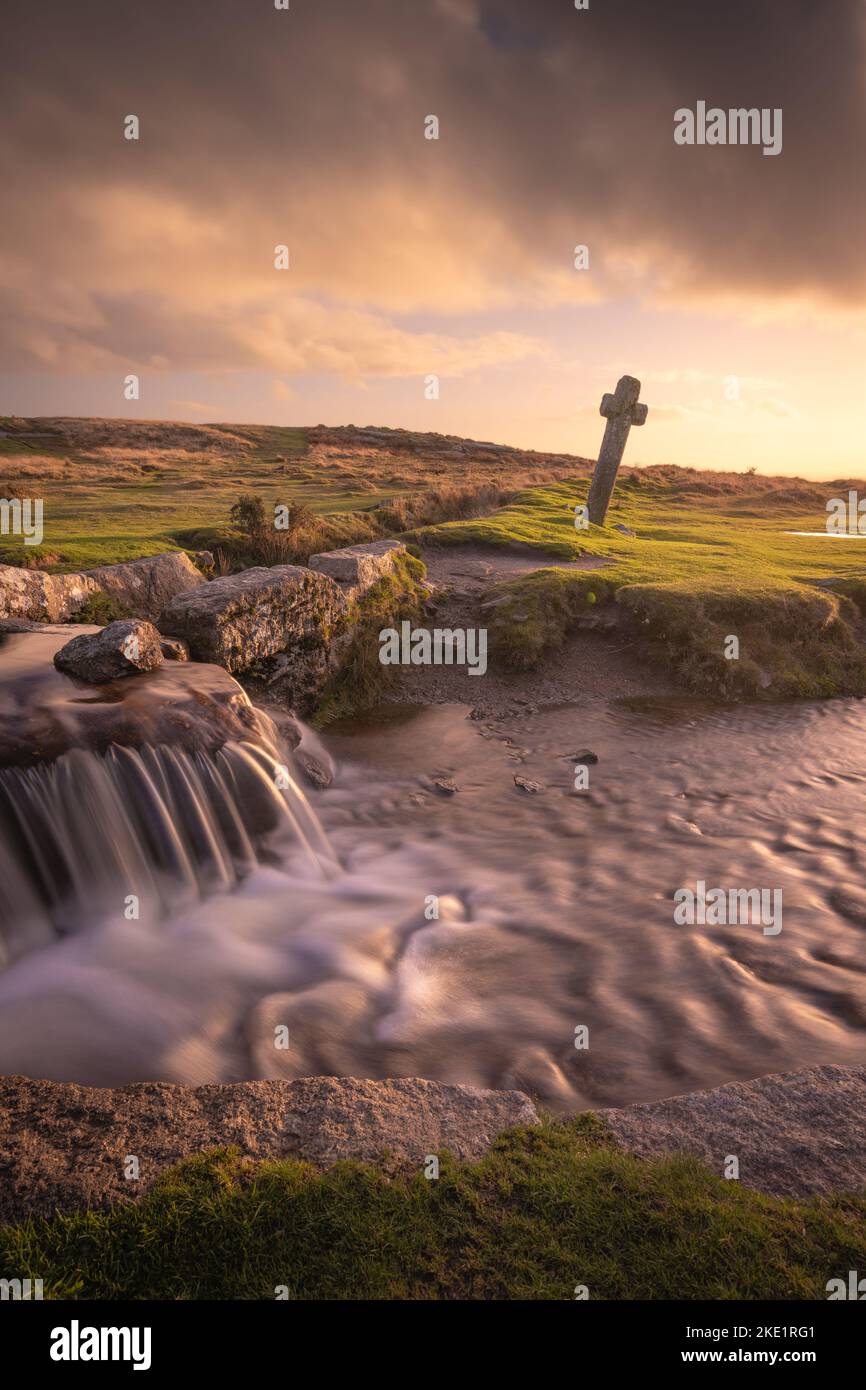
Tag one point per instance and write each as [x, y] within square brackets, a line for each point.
[546, 1210]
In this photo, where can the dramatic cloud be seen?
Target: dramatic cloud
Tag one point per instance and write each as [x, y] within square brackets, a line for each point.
[306, 127]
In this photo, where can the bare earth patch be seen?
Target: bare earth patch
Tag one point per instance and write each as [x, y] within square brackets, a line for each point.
[590, 665]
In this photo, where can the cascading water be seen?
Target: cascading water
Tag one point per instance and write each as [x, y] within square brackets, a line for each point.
[140, 830]
[461, 938]
[125, 810]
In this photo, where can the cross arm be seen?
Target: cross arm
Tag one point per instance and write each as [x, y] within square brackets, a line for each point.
[624, 401]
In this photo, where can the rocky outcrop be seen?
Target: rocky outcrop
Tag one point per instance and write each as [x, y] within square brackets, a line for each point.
[42, 597]
[357, 567]
[286, 628]
[123, 648]
[63, 1147]
[142, 588]
[794, 1133]
[245, 618]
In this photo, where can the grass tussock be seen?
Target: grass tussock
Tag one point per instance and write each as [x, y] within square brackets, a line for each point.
[233, 549]
[448, 502]
[251, 538]
[546, 1211]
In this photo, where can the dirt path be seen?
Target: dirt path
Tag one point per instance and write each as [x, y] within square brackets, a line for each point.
[471, 568]
[590, 665]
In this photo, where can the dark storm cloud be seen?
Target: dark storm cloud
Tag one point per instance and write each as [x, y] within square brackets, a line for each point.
[305, 126]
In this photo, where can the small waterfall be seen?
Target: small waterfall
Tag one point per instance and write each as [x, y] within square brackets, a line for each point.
[83, 837]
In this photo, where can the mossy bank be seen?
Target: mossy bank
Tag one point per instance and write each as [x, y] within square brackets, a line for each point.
[709, 558]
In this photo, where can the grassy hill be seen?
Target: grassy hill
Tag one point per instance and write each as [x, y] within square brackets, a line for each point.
[117, 489]
[710, 557]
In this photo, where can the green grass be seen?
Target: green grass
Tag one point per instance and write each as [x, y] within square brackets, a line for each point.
[701, 567]
[100, 511]
[546, 1210]
[710, 559]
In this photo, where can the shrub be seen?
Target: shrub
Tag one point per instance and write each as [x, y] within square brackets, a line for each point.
[100, 610]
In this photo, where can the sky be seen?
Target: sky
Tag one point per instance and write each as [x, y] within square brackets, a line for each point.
[731, 282]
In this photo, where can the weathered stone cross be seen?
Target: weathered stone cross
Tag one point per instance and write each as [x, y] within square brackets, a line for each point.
[621, 410]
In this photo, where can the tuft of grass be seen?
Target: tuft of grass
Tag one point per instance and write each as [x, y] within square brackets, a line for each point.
[705, 564]
[448, 502]
[546, 1210]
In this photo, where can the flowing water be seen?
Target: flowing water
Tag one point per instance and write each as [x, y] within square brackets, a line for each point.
[263, 907]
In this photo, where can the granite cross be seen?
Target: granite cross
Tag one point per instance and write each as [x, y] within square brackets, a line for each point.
[621, 410]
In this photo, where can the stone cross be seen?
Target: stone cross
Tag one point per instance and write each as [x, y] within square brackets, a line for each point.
[621, 410]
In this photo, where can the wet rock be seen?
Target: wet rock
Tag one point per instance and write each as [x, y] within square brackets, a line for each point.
[244, 618]
[142, 588]
[445, 786]
[585, 755]
[315, 769]
[297, 677]
[174, 649]
[319, 1118]
[123, 648]
[289, 727]
[527, 785]
[42, 597]
[10, 625]
[183, 704]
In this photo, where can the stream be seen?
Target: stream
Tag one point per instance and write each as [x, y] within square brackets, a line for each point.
[386, 926]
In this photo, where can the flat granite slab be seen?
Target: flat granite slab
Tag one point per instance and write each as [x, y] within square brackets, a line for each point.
[63, 1147]
[795, 1133]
